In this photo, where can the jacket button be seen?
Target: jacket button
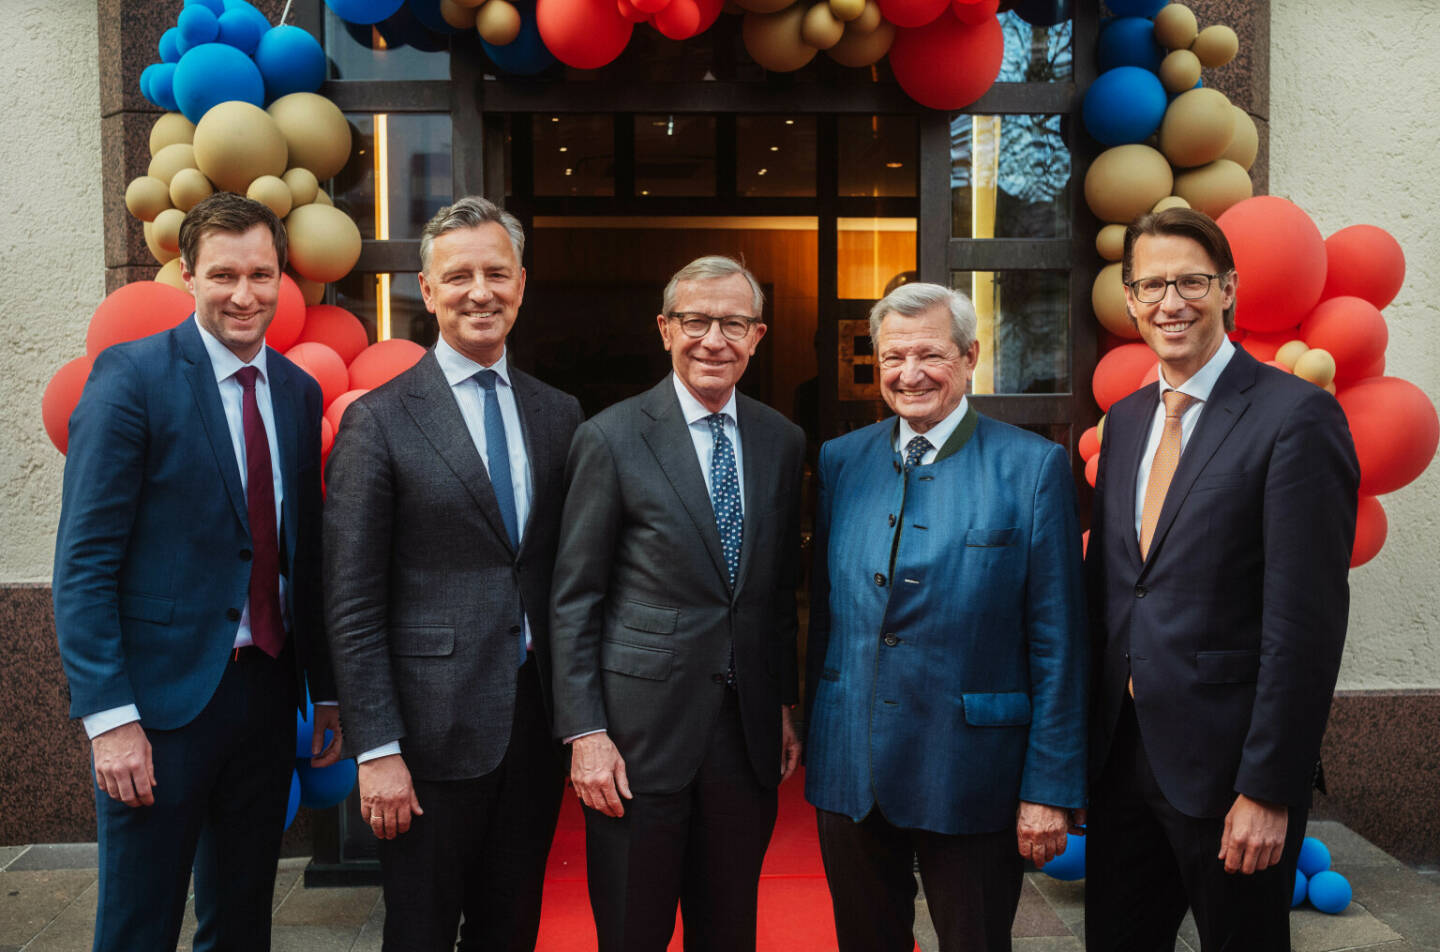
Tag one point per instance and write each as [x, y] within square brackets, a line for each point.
[891, 518]
[245, 555]
[233, 614]
[879, 579]
[718, 678]
[1141, 591]
[890, 639]
[514, 629]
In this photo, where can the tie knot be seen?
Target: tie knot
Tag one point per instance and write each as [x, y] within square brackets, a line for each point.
[914, 450]
[1176, 403]
[487, 379]
[717, 423]
[247, 376]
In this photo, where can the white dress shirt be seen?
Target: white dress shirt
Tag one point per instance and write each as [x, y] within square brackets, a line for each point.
[937, 434]
[696, 415]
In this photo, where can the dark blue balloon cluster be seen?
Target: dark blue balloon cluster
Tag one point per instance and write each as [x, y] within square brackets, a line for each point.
[219, 50]
[1326, 889]
[322, 787]
[418, 23]
[1127, 101]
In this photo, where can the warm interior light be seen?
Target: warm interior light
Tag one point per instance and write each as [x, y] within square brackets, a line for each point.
[984, 186]
[382, 221]
[894, 165]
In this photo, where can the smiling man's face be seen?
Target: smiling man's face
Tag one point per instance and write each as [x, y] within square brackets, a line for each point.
[474, 286]
[1183, 334]
[236, 282]
[923, 373]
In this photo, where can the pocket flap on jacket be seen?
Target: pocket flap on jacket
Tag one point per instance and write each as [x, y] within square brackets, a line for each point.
[990, 538]
[1227, 667]
[152, 608]
[1010, 709]
[651, 618]
[638, 661]
[423, 641]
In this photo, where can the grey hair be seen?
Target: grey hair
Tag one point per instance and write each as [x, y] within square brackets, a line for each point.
[707, 268]
[912, 300]
[472, 211]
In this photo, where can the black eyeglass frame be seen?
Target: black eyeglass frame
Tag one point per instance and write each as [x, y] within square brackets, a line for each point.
[688, 319]
[1175, 282]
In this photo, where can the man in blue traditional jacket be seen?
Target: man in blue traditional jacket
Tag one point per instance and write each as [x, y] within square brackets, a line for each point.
[947, 655]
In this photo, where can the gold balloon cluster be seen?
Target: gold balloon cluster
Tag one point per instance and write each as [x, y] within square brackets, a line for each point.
[497, 21]
[783, 35]
[278, 156]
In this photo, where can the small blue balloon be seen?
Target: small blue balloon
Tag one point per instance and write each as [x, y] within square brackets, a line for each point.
[1135, 8]
[1298, 896]
[525, 55]
[290, 61]
[1314, 857]
[146, 75]
[428, 13]
[216, 7]
[241, 30]
[162, 86]
[1124, 105]
[326, 786]
[293, 807]
[1069, 865]
[197, 24]
[214, 73]
[170, 45]
[364, 11]
[1329, 891]
[1129, 41]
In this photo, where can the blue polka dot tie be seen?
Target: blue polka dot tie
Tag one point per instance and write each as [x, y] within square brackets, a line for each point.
[725, 494]
[914, 450]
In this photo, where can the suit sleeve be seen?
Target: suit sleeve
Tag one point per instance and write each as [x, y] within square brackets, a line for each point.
[817, 640]
[1055, 635]
[589, 534]
[787, 623]
[1094, 566]
[1311, 491]
[309, 599]
[104, 477]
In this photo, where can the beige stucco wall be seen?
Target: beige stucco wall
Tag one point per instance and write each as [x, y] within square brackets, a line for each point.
[51, 253]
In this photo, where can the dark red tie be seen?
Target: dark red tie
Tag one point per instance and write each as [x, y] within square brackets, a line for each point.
[267, 628]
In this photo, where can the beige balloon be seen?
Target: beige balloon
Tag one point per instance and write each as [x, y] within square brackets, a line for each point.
[1317, 366]
[847, 10]
[459, 15]
[1215, 187]
[820, 28]
[1197, 128]
[764, 6]
[868, 21]
[170, 129]
[160, 254]
[862, 49]
[272, 192]
[1169, 201]
[146, 197]
[236, 143]
[324, 242]
[498, 23]
[1290, 351]
[1175, 27]
[1245, 144]
[1110, 242]
[166, 230]
[1179, 71]
[1100, 428]
[189, 188]
[316, 132]
[1107, 297]
[1216, 45]
[171, 159]
[312, 291]
[169, 273]
[773, 39]
[469, 3]
[1126, 180]
[322, 197]
[302, 184]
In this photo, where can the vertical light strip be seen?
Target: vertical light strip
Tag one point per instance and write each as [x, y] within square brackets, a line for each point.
[984, 181]
[382, 221]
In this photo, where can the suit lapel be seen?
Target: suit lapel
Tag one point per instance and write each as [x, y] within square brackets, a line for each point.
[283, 394]
[535, 428]
[1129, 447]
[669, 440]
[200, 374]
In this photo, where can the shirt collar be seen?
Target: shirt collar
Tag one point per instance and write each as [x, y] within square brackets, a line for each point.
[1202, 382]
[937, 434]
[695, 411]
[223, 360]
[458, 368]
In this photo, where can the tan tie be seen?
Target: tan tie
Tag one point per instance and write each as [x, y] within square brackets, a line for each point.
[1162, 470]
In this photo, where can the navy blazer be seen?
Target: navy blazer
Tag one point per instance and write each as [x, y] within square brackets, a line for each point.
[1233, 626]
[152, 557]
[946, 671]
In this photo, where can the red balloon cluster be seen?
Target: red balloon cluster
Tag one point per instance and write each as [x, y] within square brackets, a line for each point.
[946, 63]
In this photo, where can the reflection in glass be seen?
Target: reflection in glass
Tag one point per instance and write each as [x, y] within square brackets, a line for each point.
[874, 256]
[878, 156]
[1023, 329]
[389, 305]
[408, 155]
[574, 155]
[399, 47]
[1009, 177]
[775, 156]
[674, 155]
[1035, 54]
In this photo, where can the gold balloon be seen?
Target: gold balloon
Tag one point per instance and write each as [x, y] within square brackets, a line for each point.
[169, 273]
[1197, 128]
[324, 242]
[764, 6]
[1245, 144]
[1215, 187]
[1169, 201]
[868, 21]
[820, 28]
[165, 230]
[170, 160]
[862, 49]
[1107, 297]
[1317, 366]
[1216, 45]
[236, 143]
[469, 3]
[272, 192]
[1290, 352]
[146, 197]
[189, 188]
[1126, 180]
[322, 197]
[847, 10]
[498, 23]
[1175, 27]
[315, 130]
[1100, 429]
[1110, 242]
[460, 16]
[312, 291]
[1179, 71]
[773, 39]
[302, 185]
[161, 255]
[170, 129]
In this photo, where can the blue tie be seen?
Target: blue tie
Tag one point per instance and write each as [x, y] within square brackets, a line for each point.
[915, 449]
[725, 494]
[498, 449]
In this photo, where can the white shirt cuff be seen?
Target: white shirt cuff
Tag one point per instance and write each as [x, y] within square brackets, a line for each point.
[574, 737]
[384, 750]
[102, 721]
[325, 704]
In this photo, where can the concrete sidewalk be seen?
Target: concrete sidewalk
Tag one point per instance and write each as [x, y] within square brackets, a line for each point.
[47, 904]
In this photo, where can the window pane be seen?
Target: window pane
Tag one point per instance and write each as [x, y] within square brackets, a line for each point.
[1036, 54]
[396, 48]
[409, 157]
[1023, 327]
[878, 156]
[775, 155]
[574, 155]
[389, 305]
[674, 155]
[875, 256]
[1009, 177]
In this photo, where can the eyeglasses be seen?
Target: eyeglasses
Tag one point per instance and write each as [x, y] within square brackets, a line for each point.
[1190, 287]
[697, 325]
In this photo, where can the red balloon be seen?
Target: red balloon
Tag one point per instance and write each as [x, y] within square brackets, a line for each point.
[679, 20]
[911, 13]
[1366, 262]
[289, 320]
[1377, 369]
[335, 412]
[1352, 330]
[383, 361]
[974, 11]
[1395, 430]
[1089, 444]
[1371, 527]
[1261, 350]
[709, 13]
[649, 6]
[1118, 373]
[1085, 541]
[630, 12]
[336, 328]
[61, 395]
[1280, 261]
[136, 310]
[1150, 376]
[1092, 470]
[322, 363]
[585, 34]
[947, 64]
[327, 439]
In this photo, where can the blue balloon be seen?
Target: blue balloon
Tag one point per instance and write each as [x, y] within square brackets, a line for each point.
[1329, 891]
[242, 30]
[170, 45]
[363, 11]
[1314, 857]
[162, 86]
[305, 730]
[326, 786]
[146, 75]
[293, 807]
[1298, 896]
[197, 24]
[214, 73]
[216, 7]
[1069, 865]
[1136, 8]
[1129, 41]
[428, 13]
[1124, 105]
[290, 61]
[525, 55]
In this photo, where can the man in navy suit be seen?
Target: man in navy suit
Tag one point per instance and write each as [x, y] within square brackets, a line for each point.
[946, 659]
[1220, 542]
[187, 597]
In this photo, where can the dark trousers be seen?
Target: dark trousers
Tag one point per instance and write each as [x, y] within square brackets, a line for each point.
[222, 783]
[972, 884]
[701, 847]
[1147, 862]
[480, 847]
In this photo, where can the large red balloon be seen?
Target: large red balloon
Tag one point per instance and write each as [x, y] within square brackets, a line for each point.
[709, 13]
[322, 363]
[1280, 261]
[1352, 330]
[289, 320]
[910, 13]
[1395, 430]
[678, 20]
[973, 11]
[947, 64]
[335, 412]
[1366, 262]
[585, 34]
[1371, 527]
[1089, 444]
[336, 328]
[382, 361]
[1092, 470]
[136, 310]
[61, 395]
[1262, 345]
[1118, 374]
